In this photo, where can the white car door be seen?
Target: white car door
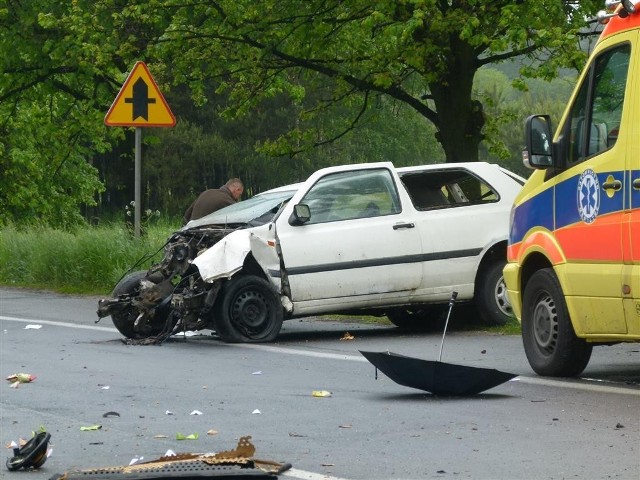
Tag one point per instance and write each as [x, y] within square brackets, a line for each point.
[358, 246]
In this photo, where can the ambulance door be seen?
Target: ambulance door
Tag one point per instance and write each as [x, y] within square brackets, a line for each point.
[631, 233]
[590, 192]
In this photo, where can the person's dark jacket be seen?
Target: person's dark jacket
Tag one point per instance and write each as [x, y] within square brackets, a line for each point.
[207, 202]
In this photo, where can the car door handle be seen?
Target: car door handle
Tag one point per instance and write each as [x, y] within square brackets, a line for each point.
[398, 226]
[612, 184]
[636, 184]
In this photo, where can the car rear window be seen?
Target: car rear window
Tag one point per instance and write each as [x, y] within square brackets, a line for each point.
[447, 188]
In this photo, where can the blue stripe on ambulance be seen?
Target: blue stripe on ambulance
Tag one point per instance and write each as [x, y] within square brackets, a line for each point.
[533, 212]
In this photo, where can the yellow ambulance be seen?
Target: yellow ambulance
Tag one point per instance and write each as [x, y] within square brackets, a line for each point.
[573, 271]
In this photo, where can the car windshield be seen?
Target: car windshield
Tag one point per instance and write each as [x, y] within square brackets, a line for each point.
[245, 211]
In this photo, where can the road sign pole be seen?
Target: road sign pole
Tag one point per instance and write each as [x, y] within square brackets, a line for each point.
[139, 104]
[138, 181]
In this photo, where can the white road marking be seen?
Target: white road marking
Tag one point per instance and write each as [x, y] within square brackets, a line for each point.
[59, 324]
[305, 353]
[547, 382]
[304, 475]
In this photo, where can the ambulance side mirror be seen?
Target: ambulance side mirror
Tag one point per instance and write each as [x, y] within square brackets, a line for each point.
[538, 152]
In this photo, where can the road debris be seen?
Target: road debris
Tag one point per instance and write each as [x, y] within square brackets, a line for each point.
[90, 428]
[237, 463]
[321, 393]
[347, 336]
[32, 454]
[17, 378]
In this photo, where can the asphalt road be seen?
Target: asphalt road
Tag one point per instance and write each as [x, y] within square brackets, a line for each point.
[528, 428]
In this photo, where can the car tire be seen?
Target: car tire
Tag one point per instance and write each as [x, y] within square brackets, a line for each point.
[427, 317]
[550, 342]
[124, 319]
[248, 310]
[491, 299]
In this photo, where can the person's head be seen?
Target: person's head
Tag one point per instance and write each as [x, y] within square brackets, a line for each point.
[236, 187]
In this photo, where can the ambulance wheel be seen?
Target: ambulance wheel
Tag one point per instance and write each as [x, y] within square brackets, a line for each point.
[491, 296]
[248, 310]
[550, 343]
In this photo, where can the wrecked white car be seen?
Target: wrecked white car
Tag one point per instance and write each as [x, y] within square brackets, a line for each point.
[352, 239]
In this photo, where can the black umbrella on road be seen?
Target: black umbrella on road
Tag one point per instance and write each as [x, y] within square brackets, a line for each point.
[435, 376]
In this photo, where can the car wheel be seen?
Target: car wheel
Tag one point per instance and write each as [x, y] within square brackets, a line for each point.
[491, 296]
[550, 342]
[248, 310]
[428, 317]
[124, 319]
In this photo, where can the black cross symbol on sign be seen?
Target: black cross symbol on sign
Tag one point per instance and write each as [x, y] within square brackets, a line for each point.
[140, 100]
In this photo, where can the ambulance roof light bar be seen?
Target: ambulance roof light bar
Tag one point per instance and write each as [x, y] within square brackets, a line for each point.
[628, 7]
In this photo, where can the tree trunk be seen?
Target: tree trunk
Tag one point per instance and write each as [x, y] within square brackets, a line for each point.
[460, 117]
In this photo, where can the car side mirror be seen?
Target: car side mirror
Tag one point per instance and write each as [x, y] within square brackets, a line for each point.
[301, 214]
[538, 152]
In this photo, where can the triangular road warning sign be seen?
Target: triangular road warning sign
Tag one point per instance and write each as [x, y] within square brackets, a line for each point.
[139, 103]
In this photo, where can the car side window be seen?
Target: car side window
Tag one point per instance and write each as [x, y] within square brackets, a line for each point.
[446, 188]
[594, 120]
[350, 195]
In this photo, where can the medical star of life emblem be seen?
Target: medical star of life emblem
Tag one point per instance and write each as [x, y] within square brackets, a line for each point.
[588, 196]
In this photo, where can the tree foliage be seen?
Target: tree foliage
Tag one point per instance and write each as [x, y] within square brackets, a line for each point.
[423, 53]
[311, 72]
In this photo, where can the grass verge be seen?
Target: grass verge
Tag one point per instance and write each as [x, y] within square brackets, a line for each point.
[86, 261]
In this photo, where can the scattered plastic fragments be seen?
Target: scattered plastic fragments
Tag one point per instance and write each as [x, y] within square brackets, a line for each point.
[90, 428]
[321, 393]
[33, 327]
[196, 412]
[193, 436]
[17, 378]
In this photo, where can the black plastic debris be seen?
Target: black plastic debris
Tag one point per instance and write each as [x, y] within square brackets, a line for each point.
[32, 454]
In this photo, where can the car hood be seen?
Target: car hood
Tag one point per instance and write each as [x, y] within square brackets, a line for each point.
[259, 209]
